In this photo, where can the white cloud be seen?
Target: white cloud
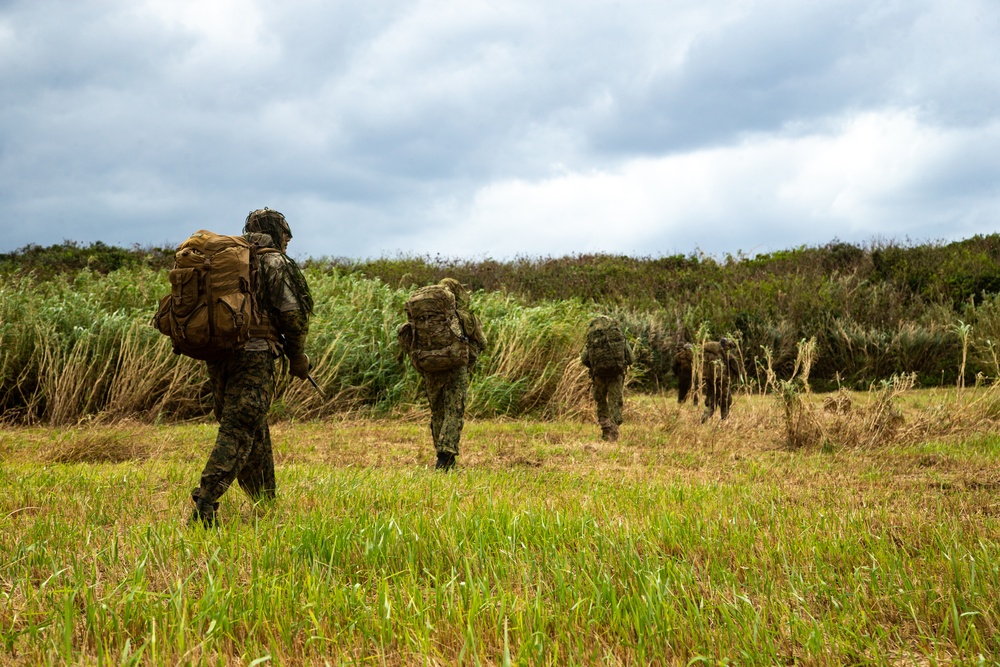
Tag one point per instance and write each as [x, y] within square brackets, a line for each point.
[768, 192]
[224, 25]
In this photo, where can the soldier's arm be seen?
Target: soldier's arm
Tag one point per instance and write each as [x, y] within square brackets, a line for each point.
[288, 315]
[279, 294]
[479, 333]
[472, 327]
[404, 336]
[734, 366]
[294, 327]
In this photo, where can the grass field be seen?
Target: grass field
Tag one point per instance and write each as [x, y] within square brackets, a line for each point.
[806, 531]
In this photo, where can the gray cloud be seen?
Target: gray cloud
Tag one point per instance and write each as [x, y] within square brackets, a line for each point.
[790, 63]
[442, 126]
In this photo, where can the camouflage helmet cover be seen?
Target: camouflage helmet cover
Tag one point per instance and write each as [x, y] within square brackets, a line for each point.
[270, 222]
[458, 289]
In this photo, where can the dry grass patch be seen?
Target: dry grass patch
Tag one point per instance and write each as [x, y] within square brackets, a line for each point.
[98, 444]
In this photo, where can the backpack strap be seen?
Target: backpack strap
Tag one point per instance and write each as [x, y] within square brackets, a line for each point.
[209, 296]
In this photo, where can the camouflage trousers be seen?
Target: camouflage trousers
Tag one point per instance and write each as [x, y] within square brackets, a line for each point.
[242, 386]
[718, 391]
[683, 371]
[608, 394]
[446, 394]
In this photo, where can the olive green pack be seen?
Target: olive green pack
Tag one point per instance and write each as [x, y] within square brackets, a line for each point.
[606, 353]
[436, 340]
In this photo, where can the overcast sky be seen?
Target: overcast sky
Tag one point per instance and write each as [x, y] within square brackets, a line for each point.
[501, 128]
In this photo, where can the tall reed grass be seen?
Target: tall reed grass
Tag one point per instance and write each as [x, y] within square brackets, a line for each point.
[82, 348]
[76, 346]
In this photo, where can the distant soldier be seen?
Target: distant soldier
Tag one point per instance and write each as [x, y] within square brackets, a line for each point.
[607, 355]
[443, 339]
[683, 370]
[719, 365]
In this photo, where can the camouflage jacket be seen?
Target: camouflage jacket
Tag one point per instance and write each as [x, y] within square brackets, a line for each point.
[286, 320]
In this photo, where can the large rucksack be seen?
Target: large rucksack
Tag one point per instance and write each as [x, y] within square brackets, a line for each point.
[606, 347]
[436, 341]
[212, 300]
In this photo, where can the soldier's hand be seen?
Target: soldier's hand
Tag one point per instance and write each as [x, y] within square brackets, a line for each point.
[298, 366]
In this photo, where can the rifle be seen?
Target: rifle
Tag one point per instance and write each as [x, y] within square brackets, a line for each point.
[316, 386]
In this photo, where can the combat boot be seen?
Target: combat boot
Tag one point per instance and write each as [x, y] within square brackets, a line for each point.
[612, 433]
[204, 513]
[445, 461]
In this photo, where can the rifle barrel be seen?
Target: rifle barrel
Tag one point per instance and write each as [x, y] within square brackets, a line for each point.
[316, 386]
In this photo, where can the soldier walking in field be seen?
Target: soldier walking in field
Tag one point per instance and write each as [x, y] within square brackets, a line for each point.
[719, 365]
[243, 377]
[443, 338]
[683, 368]
[607, 355]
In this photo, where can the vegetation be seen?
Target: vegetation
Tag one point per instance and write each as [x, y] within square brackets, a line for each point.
[75, 342]
[877, 311]
[681, 544]
[916, 276]
[81, 347]
[842, 527]
[70, 257]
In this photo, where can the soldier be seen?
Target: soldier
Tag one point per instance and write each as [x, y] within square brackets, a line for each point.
[718, 367]
[683, 370]
[607, 355]
[243, 382]
[443, 339]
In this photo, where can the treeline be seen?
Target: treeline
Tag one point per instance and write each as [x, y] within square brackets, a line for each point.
[44, 262]
[873, 311]
[73, 324]
[917, 275]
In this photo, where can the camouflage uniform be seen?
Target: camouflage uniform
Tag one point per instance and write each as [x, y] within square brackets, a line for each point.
[243, 384]
[608, 393]
[683, 371]
[718, 367]
[446, 390]
[446, 394]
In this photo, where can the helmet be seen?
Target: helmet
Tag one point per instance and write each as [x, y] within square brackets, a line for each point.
[270, 222]
[458, 289]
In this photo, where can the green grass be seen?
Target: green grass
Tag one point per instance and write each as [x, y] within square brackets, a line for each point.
[680, 544]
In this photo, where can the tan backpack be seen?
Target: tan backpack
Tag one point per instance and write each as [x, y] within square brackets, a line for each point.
[212, 300]
[435, 340]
